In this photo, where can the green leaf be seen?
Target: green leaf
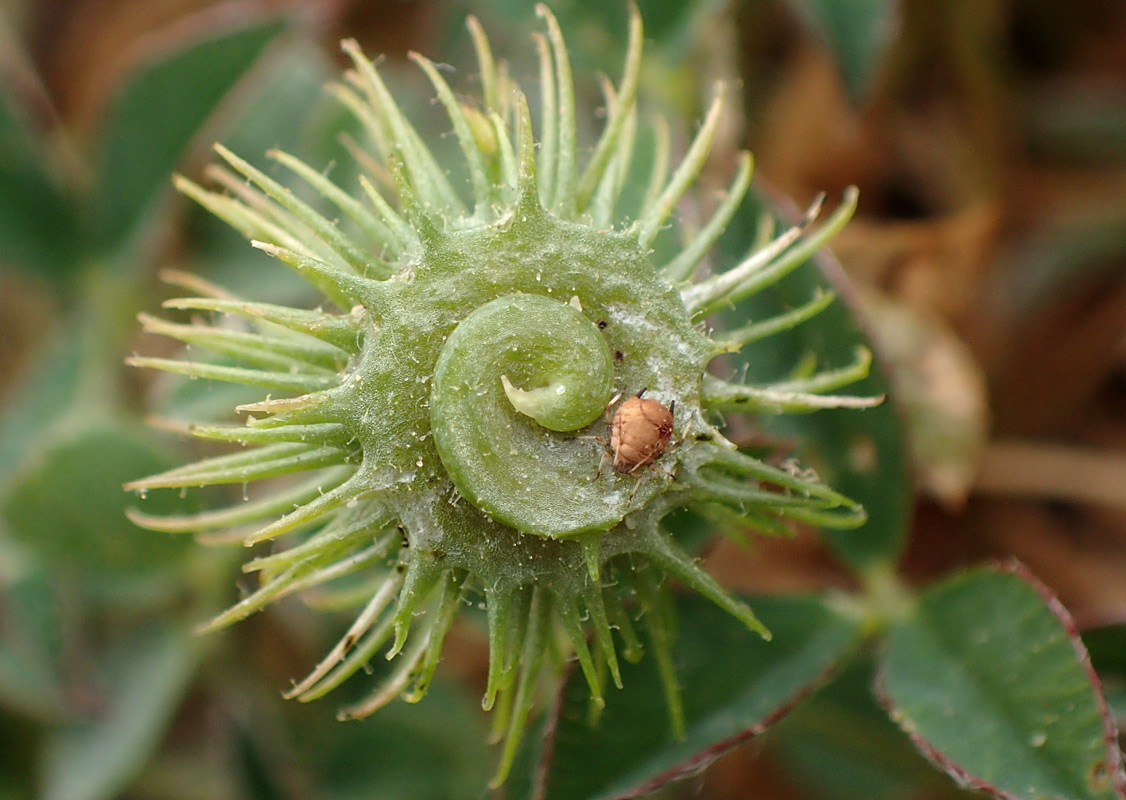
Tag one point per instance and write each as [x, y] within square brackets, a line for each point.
[17, 758]
[840, 745]
[597, 32]
[734, 686]
[142, 679]
[37, 221]
[293, 89]
[858, 32]
[433, 750]
[859, 453]
[31, 647]
[158, 111]
[39, 400]
[991, 682]
[66, 504]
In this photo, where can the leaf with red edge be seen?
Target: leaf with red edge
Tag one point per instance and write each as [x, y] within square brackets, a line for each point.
[990, 680]
[1107, 645]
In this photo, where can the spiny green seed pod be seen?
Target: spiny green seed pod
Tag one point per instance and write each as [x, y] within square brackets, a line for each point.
[455, 408]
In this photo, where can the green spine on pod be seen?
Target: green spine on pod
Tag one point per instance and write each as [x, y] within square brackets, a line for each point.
[451, 404]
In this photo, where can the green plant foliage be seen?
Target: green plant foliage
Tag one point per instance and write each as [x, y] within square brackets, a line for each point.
[990, 680]
[419, 421]
[1107, 646]
[44, 396]
[858, 31]
[413, 422]
[840, 745]
[153, 120]
[65, 504]
[436, 750]
[38, 224]
[598, 30]
[288, 83]
[31, 641]
[139, 686]
[735, 686]
[863, 454]
[452, 400]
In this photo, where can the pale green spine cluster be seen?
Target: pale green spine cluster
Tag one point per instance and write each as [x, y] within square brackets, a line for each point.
[452, 412]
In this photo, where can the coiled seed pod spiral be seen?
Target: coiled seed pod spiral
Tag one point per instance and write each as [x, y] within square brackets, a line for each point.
[449, 407]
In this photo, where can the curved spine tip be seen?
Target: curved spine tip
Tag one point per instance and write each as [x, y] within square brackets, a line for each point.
[525, 150]
[563, 199]
[600, 622]
[655, 215]
[498, 609]
[735, 340]
[394, 686]
[771, 263]
[470, 148]
[423, 573]
[363, 622]
[414, 210]
[618, 113]
[486, 64]
[421, 173]
[576, 634]
[531, 664]
[682, 267]
[344, 288]
[549, 120]
[443, 619]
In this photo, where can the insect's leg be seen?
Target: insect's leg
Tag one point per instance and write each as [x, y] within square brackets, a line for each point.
[687, 431]
[610, 405]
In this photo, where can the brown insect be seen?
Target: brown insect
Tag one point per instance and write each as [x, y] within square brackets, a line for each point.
[640, 432]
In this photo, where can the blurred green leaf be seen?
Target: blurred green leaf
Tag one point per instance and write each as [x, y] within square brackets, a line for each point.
[598, 34]
[66, 503]
[523, 779]
[283, 106]
[17, 754]
[142, 680]
[991, 682]
[861, 453]
[733, 683]
[840, 745]
[38, 223]
[286, 109]
[158, 111]
[30, 647]
[435, 750]
[858, 32]
[37, 403]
